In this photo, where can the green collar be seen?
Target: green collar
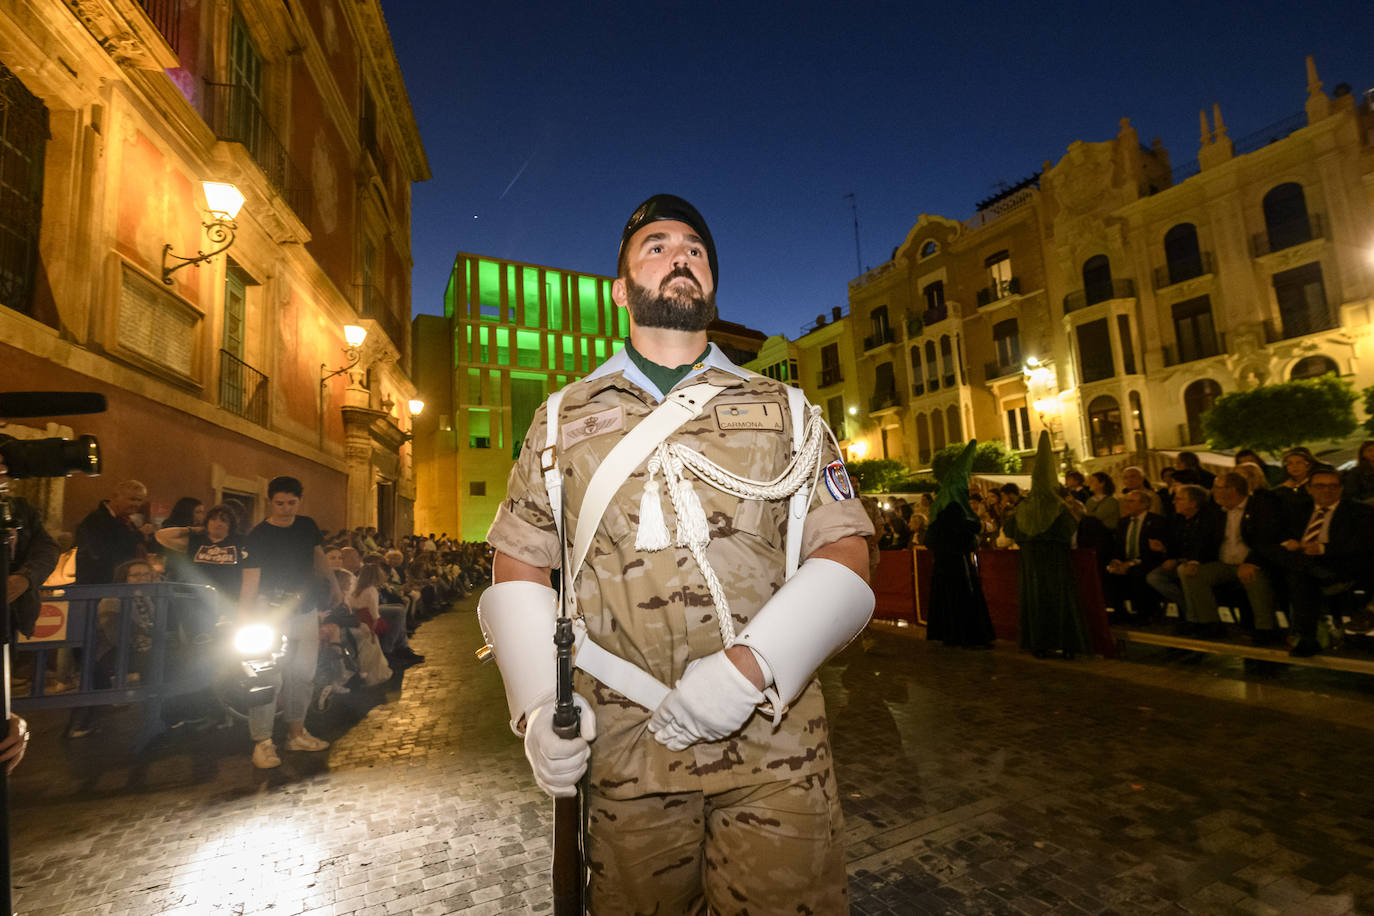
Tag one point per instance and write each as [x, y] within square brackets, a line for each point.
[664, 377]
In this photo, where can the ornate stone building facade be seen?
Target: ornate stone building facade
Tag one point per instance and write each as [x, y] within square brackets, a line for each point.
[217, 371]
[1114, 295]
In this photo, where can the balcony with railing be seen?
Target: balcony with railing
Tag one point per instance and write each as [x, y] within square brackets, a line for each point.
[829, 376]
[879, 338]
[885, 400]
[233, 114]
[1300, 324]
[1279, 236]
[372, 304]
[1180, 269]
[1078, 299]
[166, 17]
[998, 291]
[243, 390]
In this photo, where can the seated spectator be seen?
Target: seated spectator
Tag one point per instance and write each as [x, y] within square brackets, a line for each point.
[1272, 474]
[1358, 482]
[1133, 478]
[1331, 549]
[1074, 483]
[1246, 553]
[1102, 504]
[1138, 547]
[1189, 461]
[1292, 491]
[388, 621]
[1193, 536]
[334, 557]
[109, 623]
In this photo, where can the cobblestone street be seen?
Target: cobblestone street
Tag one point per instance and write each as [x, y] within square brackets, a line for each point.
[973, 783]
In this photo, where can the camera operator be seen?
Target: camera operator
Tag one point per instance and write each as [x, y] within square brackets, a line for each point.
[33, 556]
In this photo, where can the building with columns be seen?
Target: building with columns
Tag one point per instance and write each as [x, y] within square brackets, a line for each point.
[217, 370]
[1114, 295]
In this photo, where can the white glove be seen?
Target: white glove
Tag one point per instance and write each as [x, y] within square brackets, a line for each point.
[713, 699]
[558, 763]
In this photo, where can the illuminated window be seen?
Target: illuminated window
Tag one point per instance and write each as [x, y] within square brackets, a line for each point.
[1104, 426]
[479, 429]
[489, 290]
[527, 349]
[588, 305]
[529, 295]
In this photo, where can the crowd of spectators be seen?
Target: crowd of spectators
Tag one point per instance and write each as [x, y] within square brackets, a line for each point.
[348, 601]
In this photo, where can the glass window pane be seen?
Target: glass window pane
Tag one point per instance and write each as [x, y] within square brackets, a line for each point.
[587, 305]
[489, 289]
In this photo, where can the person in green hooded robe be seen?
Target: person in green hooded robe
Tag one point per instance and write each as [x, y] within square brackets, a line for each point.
[1043, 528]
[958, 613]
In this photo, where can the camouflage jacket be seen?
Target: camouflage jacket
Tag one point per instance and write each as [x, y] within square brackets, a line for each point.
[654, 608]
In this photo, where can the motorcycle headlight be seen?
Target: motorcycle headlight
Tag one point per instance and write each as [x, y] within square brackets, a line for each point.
[254, 639]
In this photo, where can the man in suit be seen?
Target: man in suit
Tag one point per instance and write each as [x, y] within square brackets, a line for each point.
[106, 537]
[1193, 534]
[1138, 547]
[1331, 547]
[1247, 552]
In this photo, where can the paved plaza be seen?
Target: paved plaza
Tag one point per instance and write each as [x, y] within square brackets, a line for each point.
[973, 782]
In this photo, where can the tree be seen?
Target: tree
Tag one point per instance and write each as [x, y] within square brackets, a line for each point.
[1369, 408]
[1272, 418]
[992, 457]
[878, 475]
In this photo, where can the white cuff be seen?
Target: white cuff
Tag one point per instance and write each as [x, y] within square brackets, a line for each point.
[517, 619]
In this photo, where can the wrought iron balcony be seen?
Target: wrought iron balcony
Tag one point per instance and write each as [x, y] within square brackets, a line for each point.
[1300, 325]
[878, 339]
[166, 16]
[233, 114]
[373, 304]
[1120, 289]
[830, 376]
[1181, 269]
[994, 369]
[999, 290]
[243, 390]
[1285, 235]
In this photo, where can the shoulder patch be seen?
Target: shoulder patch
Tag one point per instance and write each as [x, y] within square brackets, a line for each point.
[837, 481]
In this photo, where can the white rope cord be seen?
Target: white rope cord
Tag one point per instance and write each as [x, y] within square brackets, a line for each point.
[692, 529]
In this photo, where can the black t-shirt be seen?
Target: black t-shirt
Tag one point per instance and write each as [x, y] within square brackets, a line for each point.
[286, 556]
[218, 564]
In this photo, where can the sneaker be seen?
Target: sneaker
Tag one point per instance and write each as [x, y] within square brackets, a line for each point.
[306, 742]
[265, 755]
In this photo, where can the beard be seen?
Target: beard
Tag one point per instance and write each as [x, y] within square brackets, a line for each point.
[669, 307]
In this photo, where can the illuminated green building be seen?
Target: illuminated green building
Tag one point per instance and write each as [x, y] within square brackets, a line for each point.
[510, 334]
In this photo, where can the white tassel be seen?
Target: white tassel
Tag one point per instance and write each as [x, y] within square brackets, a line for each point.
[653, 531]
[692, 529]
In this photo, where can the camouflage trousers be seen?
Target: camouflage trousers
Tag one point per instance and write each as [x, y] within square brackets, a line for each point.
[771, 848]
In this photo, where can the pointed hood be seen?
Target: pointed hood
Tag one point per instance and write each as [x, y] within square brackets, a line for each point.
[1039, 510]
[954, 488]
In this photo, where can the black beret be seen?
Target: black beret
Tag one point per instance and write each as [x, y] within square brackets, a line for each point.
[671, 207]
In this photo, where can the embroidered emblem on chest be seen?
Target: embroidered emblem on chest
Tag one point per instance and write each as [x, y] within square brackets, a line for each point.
[757, 415]
[580, 429]
[837, 481]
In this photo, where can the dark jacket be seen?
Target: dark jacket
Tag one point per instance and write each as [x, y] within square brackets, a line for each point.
[1350, 538]
[1262, 527]
[102, 543]
[1196, 538]
[35, 557]
[1153, 527]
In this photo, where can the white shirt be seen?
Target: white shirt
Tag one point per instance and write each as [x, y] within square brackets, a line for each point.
[1233, 549]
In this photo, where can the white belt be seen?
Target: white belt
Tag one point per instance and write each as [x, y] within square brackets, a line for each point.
[625, 678]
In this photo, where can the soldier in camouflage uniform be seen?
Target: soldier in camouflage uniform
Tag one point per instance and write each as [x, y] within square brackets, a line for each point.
[748, 822]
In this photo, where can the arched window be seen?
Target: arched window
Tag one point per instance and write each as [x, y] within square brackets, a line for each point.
[929, 248]
[1097, 279]
[1104, 426]
[956, 433]
[1138, 422]
[947, 360]
[932, 368]
[918, 387]
[1285, 216]
[923, 440]
[1182, 254]
[1314, 367]
[937, 429]
[1198, 398]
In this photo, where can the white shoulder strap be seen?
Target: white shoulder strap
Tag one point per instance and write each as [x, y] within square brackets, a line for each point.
[637, 445]
[799, 501]
[548, 460]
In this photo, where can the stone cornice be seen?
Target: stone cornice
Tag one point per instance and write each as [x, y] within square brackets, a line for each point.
[125, 32]
[380, 55]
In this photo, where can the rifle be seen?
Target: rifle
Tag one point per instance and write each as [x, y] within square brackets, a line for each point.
[568, 878]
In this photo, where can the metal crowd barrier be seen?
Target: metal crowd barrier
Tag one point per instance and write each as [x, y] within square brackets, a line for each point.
[70, 619]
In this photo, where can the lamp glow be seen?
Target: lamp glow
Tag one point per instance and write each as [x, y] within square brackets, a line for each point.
[254, 639]
[355, 334]
[223, 199]
[858, 450]
[417, 407]
[853, 411]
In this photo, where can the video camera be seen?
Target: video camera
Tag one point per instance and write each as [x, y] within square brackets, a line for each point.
[54, 457]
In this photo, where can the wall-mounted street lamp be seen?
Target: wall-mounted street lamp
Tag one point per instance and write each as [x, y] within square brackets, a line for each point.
[354, 335]
[417, 407]
[223, 203]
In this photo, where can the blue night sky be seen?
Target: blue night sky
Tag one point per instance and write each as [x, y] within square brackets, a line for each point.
[546, 123]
